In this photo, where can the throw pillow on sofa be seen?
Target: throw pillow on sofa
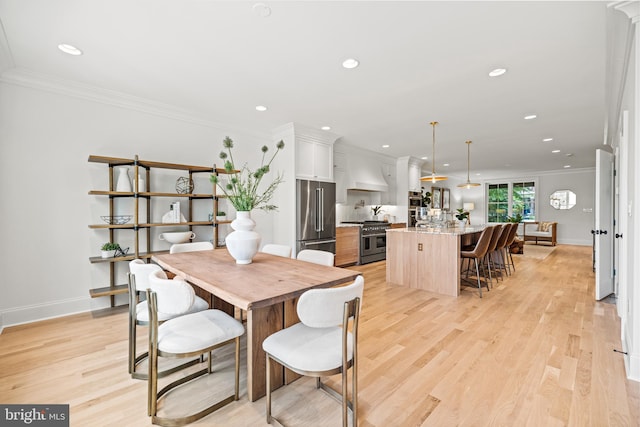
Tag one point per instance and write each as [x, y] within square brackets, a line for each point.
[544, 226]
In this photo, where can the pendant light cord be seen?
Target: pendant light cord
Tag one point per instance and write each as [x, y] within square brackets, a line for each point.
[433, 149]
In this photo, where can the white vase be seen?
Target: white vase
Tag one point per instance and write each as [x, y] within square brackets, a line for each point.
[123, 183]
[243, 242]
[141, 186]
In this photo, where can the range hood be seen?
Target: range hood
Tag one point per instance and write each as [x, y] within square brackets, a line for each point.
[365, 176]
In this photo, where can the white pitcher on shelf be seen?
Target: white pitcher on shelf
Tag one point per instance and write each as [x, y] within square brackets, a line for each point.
[123, 183]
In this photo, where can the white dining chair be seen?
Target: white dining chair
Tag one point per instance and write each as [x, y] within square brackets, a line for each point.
[321, 344]
[194, 334]
[275, 249]
[316, 256]
[190, 247]
[139, 279]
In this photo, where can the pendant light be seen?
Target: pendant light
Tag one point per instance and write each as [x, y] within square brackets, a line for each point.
[433, 177]
[468, 184]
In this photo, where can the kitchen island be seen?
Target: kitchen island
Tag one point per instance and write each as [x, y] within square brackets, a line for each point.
[428, 258]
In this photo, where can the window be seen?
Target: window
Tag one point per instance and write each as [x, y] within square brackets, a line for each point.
[524, 200]
[509, 199]
[498, 206]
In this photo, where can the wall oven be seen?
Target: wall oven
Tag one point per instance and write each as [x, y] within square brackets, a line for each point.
[415, 199]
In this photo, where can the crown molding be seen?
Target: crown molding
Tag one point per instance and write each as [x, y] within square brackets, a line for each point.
[39, 81]
[630, 8]
[307, 133]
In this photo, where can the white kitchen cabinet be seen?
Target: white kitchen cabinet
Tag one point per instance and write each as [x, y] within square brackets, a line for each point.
[414, 176]
[314, 160]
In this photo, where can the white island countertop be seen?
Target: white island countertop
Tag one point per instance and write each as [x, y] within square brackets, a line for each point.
[453, 231]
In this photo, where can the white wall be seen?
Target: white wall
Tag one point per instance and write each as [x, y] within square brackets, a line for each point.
[627, 65]
[45, 140]
[574, 225]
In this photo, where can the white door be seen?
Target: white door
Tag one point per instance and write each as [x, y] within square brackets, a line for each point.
[604, 224]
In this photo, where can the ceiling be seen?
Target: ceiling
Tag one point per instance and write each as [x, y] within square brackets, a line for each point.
[419, 62]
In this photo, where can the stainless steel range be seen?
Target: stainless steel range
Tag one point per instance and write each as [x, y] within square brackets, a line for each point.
[373, 240]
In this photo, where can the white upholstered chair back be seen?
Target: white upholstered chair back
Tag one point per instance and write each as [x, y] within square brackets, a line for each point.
[317, 257]
[323, 308]
[141, 270]
[321, 344]
[174, 296]
[279, 250]
[190, 247]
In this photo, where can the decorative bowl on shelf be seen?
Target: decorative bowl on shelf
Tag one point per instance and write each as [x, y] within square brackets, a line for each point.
[116, 219]
[177, 236]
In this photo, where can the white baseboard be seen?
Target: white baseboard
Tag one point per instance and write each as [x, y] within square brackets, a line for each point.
[633, 372]
[578, 242]
[631, 361]
[49, 310]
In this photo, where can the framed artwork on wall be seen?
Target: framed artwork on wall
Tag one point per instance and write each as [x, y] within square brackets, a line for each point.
[445, 199]
[436, 198]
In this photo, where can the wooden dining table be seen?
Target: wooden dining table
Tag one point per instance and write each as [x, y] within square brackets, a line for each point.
[267, 289]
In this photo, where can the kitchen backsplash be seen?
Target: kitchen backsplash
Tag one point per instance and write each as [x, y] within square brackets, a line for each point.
[358, 208]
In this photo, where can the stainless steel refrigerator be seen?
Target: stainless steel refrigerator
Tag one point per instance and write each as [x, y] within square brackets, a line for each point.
[316, 215]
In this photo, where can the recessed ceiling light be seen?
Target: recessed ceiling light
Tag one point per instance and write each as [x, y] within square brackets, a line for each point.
[350, 63]
[326, 128]
[547, 140]
[478, 174]
[555, 151]
[497, 72]
[424, 158]
[261, 9]
[261, 108]
[445, 164]
[569, 154]
[530, 117]
[71, 50]
[385, 146]
[567, 166]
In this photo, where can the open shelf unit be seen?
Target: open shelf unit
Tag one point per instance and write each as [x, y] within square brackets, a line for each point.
[142, 212]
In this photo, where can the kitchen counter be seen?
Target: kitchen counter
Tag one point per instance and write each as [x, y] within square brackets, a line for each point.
[428, 258]
[454, 231]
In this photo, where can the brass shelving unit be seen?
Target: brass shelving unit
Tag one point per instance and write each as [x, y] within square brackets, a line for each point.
[145, 223]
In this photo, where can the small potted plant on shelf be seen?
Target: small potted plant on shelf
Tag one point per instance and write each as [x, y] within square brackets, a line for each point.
[221, 216]
[109, 249]
[462, 216]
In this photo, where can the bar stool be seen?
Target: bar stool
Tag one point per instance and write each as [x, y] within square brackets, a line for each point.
[478, 254]
[505, 229]
[512, 237]
[492, 247]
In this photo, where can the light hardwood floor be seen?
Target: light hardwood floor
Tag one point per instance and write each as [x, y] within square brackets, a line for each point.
[537, 350]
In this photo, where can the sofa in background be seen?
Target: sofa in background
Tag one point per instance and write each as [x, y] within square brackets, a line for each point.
[540, 231]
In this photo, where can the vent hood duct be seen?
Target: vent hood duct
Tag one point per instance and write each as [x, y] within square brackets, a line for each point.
[365, 176]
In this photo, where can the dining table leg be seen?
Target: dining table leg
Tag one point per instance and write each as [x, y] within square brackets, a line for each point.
[262, 322]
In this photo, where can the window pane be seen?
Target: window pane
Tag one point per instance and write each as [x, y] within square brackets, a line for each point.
[524, 200]
[498, 207]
